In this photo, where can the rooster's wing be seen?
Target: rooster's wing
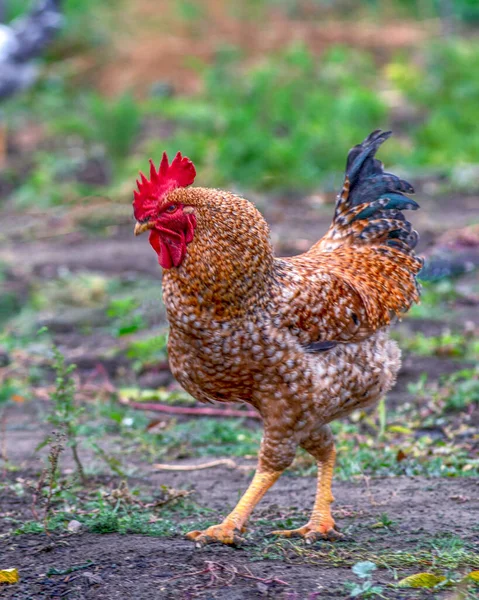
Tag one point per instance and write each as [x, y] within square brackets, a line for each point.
[363, 271]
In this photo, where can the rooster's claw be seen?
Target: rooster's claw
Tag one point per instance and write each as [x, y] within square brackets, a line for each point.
[222, 534]
[312, 534]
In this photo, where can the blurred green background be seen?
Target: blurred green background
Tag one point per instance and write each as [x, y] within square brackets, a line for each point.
[262, 95]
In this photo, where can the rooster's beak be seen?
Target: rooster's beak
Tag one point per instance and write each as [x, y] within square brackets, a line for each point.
[141, 227]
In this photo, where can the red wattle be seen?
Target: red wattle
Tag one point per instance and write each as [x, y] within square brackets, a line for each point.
[170, 247]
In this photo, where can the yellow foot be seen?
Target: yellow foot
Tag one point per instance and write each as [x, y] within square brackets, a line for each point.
[225, 533]
[312, 533]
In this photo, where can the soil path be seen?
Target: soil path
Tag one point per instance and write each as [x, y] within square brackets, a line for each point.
[114, 566]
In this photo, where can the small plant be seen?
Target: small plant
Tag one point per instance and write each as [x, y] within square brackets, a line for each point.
[384, 522]
[49, 478]
[450, 344]
[115, 124]
[453, 393]
[65, 414]
[125, 316]
[445, 87]
[148, 351]
[364, 588]
[463, 390]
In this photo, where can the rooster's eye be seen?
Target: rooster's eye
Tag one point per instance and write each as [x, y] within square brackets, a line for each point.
[171, 208]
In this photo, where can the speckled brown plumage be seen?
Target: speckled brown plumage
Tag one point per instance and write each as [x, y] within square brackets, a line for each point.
[302, 339]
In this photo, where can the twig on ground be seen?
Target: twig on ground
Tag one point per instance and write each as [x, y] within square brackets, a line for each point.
[372, 500]
[122, 493]
[267, 580]
[197, 411]
[214, 568]
[214, 463]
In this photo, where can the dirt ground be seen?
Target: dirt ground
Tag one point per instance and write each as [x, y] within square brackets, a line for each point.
[134, 566]
[87, 565]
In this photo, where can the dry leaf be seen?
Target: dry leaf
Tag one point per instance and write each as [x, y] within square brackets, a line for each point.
[9, 576]
[421, 580]
[400, 429]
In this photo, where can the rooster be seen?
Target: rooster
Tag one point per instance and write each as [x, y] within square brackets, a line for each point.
[304, 339]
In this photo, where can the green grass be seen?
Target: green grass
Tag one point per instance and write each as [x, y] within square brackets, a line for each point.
[447, 344]
[432, 557]
[378, 444]
[445, 86]
[148, 351]
[82, 127]
[366, 444]
[112, 123]
[100, 513]
[451, 394]
[459, 10]
[196, 438]
[283, 124]
[362, 448]
[437, 299]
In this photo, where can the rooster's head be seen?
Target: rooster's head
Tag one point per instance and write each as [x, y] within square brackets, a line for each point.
[171, 224]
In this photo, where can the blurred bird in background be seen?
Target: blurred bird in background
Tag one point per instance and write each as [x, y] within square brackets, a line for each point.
[21, 43]
[455, 253]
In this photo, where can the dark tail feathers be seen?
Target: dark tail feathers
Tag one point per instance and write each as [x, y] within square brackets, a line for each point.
[370, 204]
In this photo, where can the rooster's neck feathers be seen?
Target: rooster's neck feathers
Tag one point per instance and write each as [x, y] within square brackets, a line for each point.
[230, 255]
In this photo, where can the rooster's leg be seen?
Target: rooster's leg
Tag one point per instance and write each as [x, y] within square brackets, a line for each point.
[321, 524]
[228, 531]
[276, 454]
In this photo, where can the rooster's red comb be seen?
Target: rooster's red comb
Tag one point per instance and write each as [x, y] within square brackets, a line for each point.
[180, 173]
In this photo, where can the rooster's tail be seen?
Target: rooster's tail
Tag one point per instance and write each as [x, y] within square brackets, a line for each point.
[369, 221]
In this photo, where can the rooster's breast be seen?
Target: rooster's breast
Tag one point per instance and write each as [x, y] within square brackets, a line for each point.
[211, 364]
